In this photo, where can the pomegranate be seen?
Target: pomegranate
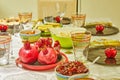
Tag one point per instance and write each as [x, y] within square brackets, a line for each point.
[3, 28]
[57, 18]
[28, 54]
[99, 27]
[47, 56]
[110, 52]
[57, 46]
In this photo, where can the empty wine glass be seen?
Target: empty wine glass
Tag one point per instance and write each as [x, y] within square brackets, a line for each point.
[16, 30]
[60, 9]
[15, 39]
[48, 13]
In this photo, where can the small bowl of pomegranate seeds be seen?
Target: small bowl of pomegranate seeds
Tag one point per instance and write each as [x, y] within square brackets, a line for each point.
[67, 69]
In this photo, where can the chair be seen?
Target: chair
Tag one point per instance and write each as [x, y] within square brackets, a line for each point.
[71, 6]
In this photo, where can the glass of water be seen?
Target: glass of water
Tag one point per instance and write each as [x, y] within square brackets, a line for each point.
[80, 41]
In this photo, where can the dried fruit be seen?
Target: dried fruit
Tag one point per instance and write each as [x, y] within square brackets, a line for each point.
[71, 68]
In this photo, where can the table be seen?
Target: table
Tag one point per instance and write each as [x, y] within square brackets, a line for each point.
[12, 72]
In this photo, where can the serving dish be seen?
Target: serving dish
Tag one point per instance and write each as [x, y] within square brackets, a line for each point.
[98, 51]
[108, 30]
[44, 28]
[30, 35]
[63, 35]
[65, 21]
[71, 69]
[40, 67]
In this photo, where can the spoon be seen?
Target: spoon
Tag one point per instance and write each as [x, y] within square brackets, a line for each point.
[37, 24]
[97, 58]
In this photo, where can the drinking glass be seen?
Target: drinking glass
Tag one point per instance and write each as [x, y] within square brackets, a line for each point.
[16, 39]
[17, 29]
[4, 48]
[78, 20]
[48, 13]
[80, 41]
[25, 19]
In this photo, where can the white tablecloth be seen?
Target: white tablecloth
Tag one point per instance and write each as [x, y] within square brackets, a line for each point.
[12, 72]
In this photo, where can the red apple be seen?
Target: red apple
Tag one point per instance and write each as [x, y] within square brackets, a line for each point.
[99, 27]
[110, 52]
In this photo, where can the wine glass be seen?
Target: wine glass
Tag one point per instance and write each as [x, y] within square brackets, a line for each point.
[48, 13]
[25, 19]
[80, 41]
[60, 9]
[15, 39]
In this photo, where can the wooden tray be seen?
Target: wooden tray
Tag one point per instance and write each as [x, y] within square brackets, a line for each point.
[93, 53]
[40, 67]
[108, 30]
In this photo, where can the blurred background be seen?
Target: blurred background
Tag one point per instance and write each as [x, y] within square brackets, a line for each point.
[93, 8]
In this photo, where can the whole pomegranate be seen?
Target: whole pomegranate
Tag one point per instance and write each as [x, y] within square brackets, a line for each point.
[28, 54]
[99, 27]
[3, 28]
[110, 52]
[47, 56]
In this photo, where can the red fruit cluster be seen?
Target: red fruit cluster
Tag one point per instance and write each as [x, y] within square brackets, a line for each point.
[110, 52]
[3, 28]
[99, 27]
[44, 51]
[47, 42]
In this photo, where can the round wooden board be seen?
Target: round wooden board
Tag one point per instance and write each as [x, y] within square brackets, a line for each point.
[108, 30]
[95, 52]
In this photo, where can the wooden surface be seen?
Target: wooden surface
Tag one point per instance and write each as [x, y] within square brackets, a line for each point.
[103, 60]
[108, 30]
